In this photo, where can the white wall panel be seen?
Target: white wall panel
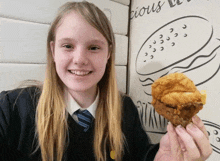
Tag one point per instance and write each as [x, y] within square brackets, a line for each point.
[12, 74]
[43, 11]
[22, 41]
[117, 13]
[121, 75]
[119, 18]
[125, 2]
[121, 54]
[31, 10]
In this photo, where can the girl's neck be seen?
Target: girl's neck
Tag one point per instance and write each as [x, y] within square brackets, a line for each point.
[84, 98]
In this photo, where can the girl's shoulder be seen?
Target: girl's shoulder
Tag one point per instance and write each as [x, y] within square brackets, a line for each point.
[20, 97]
[20, 92]
[128, 105]
[126, 99]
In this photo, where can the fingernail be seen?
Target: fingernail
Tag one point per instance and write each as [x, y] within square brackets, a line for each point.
[179, 128]
[191, 126]
[184, 149]
[169, 123]
[169, 126]
[172, 127]
[195, 118]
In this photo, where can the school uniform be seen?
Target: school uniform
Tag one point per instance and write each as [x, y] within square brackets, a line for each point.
[17, 130]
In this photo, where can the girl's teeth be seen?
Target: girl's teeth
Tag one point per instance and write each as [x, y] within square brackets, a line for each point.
[80, 73]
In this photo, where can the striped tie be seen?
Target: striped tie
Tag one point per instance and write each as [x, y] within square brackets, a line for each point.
[85, 118]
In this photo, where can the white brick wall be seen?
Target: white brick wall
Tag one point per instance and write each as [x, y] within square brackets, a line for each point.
[23, 31]
[126, 2]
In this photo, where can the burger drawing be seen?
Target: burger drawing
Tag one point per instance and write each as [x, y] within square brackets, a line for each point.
[214, 135]
[182, 45]
[186, 45]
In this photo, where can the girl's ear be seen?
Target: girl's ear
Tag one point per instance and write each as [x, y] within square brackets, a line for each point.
[109, 55]
[52, 45]
[110, 51]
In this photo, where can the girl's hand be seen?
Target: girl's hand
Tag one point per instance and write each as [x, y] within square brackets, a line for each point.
[180, 144]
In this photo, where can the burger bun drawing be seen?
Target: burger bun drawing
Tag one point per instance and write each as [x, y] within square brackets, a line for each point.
[173, 43]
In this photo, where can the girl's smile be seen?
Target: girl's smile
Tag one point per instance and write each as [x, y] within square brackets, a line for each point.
[80, 72]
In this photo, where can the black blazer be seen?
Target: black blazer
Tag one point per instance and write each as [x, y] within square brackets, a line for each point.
[17, 131]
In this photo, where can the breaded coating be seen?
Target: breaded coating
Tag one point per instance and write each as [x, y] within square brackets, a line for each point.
[178, 117]
[176, 98]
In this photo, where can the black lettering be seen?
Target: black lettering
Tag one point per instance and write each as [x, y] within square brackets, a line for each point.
[159, 7]
[132, 15]
[146, 10]
[153, 8]
[136, 15]
[178, 2]
[171, 3]
[142, 10]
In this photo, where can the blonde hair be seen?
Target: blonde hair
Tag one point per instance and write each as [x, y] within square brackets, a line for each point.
[51, 116]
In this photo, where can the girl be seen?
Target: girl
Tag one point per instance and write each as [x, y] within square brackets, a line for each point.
[78, 113]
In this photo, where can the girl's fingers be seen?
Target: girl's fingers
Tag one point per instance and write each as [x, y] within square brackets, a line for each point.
[192, 150]
[198, 122]
[182, 146]
[165, 142]
[200, 139]
[174, 143]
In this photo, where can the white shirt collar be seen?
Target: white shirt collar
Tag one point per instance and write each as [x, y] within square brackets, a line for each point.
[73, 106]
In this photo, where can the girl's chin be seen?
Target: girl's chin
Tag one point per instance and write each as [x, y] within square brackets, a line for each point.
[81, 88]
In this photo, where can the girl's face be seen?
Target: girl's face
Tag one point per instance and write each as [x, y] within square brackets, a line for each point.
[80, 53]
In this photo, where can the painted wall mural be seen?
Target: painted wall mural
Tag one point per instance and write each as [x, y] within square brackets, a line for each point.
[176, 36]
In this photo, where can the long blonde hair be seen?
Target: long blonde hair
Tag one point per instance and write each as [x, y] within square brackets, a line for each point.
[51, 116]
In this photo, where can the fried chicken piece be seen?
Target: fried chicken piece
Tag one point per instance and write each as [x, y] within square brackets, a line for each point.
[176, 98]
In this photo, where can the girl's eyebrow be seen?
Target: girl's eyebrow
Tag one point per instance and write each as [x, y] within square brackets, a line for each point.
[89, 41]
[65, 39]
[97, 41]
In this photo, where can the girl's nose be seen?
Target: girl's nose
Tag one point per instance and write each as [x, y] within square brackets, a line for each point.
[80, 57]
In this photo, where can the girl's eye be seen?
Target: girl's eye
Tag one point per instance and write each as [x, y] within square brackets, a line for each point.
[94, 48]
[67, 46]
